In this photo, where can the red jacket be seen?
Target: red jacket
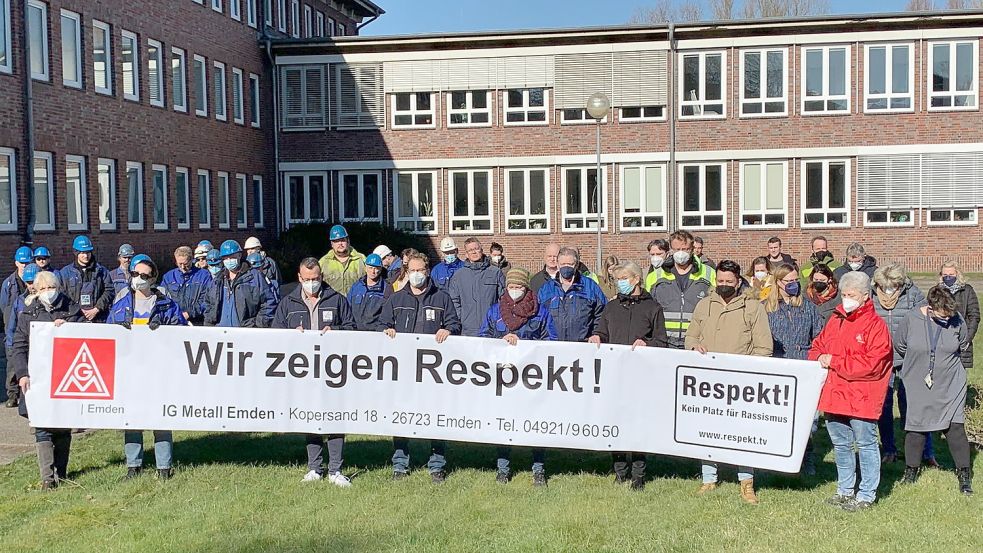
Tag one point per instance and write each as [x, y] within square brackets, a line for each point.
[860, 370]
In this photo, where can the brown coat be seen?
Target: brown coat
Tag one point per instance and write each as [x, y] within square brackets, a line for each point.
[740, 326]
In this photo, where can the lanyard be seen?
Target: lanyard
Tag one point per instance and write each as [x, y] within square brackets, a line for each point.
[933, 341]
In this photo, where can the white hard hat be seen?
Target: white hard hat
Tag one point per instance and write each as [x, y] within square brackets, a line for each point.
[382, 251]
[447, 245]
[201, 251]
[252, 242]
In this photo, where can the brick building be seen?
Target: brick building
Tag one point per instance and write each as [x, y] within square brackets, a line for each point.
[150, 121]
[858, 128]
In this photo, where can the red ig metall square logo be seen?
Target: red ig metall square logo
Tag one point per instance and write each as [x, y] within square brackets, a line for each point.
[83, 368]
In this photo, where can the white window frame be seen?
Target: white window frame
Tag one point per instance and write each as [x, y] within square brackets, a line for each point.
[183, 97]
[527, 217]
[585, 215]
[361, 195]
[586, 120]
[306, 176]
[258, 221]
[319, 24]
[206, 202]
[107, 30]
[622, 118]
[703, 213]
[187, 197]
[308, 21]
[699, 105]
[110, 192]
[826, 97]
[221, 91]
[238, 103]
[45, 74]
[222, 191]
[469, 110]
[161, 88]
[888, 78]
[951, 222]
[10, 156]
[295, 18]
[254, 103]
[413, 112]
[268, 12]
[235, 10]
[642, 214]
[48, 160]
[8, 65]
[81, 196]
[281, 12]
[125, 35]
[975, 92]
[139, 167]
[848, 189]
[202, 91]
[332, 27]
[888, 213]
[764, 212]
[251, 13]
[417, 220]
[162, 169]
[217, 6]
[471, 217]
[76, 20]
[763, 83]
[526, 109]
[342, 30]
[242, 189]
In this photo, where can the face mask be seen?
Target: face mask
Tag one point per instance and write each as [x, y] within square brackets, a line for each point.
[681, 257]
[496, 259]
[820, 286]
[820, 256]
[311, 287]
[949, 280]
[761, 275]
[567, 273]
[516, 295]
[231, 264]
[943, 321]
[793, 289]
[417, 279]
[850, 305]
[625, 287]
[48, 297]
[450, 258]
[657, 260]
[214, 269]
[726, 291]
[890, 291]
[140, 284]
[854, 265]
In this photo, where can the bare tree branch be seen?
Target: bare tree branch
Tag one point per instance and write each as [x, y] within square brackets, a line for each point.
[663, 11]
[920, 5]
[722, 10]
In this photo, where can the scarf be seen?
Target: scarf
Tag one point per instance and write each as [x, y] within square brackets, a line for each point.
[953, 289]
[516, 313]
[888, 301]
[819, 299]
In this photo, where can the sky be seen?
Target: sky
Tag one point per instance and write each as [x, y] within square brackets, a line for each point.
[442, 16]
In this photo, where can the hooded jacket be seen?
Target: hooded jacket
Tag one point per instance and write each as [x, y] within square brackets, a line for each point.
[188, 290]
[474, 288]
[539, 327]
[577, 311]
[739, 327]
[867, 266]
[166, 311]
[331, 310]
[254, 300]
[629, 318]
[88, 286]
[910, 298]
[860, 369]
[367, 301]
[341, 276]
[426, 313]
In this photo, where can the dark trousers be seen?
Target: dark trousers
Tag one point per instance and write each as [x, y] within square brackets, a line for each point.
[955, 436]
[61, 439]
[621, 460]
[315, 452]
[503, 463]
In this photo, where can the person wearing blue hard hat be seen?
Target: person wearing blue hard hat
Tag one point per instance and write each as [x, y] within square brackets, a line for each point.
[188, 284]
[342, 266]
[239, 295]
[88, 283]
[368, 294]
[206, 244]
[42, 257]
[12, 294]
[213, 261]
[258, 262]
[121, 274]
[267, 265]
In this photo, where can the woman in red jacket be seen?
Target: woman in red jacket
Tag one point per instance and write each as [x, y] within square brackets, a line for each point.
[856, 348]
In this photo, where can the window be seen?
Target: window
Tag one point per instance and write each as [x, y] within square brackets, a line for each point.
[826, 193]
[889, 218]
[75, 188]
[294, 19]
[182, 192]
[241, 190]
[302, 96]
[268, 12]
[526, 106]
[319, 27]
[155, 79]
[416, 200]
[701, 89]
[763, 82]
[642, 113]
[469, 108]
[342, 30]
[251, 13]
[581, 194]
[764, 194]
[281, 15]
[578, 117]
[332, 30]
[643, 197]
[71, 49]
[131, 66]
[954, 72]
[307, 198]
[37, 32]
[254, 100]
[222, 199]
[204, 200]
[6, 63]
[953, 217]
[217, 5]
[825, 80]
[102, 57]
[8, 184]
[218, 78]
[235, 10]
[308, 21]
[413, 110]
[237, 106]
[200, 84]
[470, 201]
[134, 195]
[158, 190]
[527, 196]
[179, 90]
[888, 77]
[44, 193]
[106, 174]
[257, 201]
[701, 200]
[360, 196]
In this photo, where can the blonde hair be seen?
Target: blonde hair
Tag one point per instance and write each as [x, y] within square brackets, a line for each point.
[775, 294]
[44, 279]
[953, 264]
[892, 273]
[628, 268]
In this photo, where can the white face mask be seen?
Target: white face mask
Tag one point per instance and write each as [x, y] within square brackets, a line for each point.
[850, 305]
[854, 265]
[890, 291]
[761, 275]
[417, 279]
[516, 295]
[48, 297]
[140, 284]
[681, 257]
[657, 260]
[496, 259]
[311, 287]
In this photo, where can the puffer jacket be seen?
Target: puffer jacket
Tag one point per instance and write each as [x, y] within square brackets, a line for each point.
[629, 318]
[968, 305]
[867, 267]
[577, 311]
[740, 326]
[911, 298]
[166, 311]
[367, 302]
[89, 287]
[188, 290]
[332, 310]
[539, 327]
[254, 299]
[474, 288]
[341, 276]
[860, 345]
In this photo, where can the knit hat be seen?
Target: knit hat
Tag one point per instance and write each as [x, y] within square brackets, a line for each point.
[517, 276]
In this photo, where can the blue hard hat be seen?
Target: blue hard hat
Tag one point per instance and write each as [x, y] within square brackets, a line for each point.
[41, 251]
[30, 272]
[229, 247]
[140, 258]
[206, 243]
[338, 232]
[255, 259]
[373, 260]
[213, 258]
[82, 244]
[23, 255]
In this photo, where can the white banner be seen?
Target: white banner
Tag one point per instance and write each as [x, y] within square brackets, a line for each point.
[727, 408]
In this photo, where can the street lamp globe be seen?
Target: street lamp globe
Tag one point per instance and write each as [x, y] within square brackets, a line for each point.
[598, 105]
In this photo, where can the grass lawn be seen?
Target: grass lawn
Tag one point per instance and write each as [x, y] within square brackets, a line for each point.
[242, 492]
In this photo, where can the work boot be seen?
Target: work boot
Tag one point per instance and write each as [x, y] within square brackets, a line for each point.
[438, 477]
[165, 474]
[132, 472]
[638, 483]
[910, 475]
[747, 491]
[503, 477]
[400, 475]
[11, 400]
[46, 465]
[706, 488]
[620, 478]
[539, 479]
[965, 477]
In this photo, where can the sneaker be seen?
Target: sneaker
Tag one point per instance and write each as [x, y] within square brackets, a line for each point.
[539, 479]
[311, 476]
[165, 474]
[839, 500]
[910, 475]
[399, 474]
[853, 505]
[706, 488]
[133, 472]
[638, 484]
[340, 480]
[438, 477]
[502, 477]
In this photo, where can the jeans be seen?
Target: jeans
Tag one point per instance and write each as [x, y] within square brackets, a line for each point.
[845, 433]
[163, 448]
[401, 455]
[504, 460]
[885, 424]
[710, 473]
[315, 452]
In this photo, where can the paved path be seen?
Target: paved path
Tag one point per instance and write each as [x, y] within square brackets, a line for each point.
[16, 437]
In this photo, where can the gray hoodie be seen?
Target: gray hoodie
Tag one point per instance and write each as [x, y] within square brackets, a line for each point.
[474, 288]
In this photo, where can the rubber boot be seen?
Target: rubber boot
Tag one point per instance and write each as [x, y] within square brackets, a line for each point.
[63, 445]
[46, 464]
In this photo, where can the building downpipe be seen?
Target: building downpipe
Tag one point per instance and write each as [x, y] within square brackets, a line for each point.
[671, 209]
[28, 235]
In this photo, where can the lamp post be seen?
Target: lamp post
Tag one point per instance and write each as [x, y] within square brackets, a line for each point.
[598, 105]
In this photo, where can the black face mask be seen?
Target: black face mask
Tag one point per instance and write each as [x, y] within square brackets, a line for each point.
[820, 257]
[820, 286]
[726, 291]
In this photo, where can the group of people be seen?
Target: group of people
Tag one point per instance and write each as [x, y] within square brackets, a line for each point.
[870, 326]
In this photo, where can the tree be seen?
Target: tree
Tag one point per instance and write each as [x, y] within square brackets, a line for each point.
[664, 11]
[920, 5]
[722, 10]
